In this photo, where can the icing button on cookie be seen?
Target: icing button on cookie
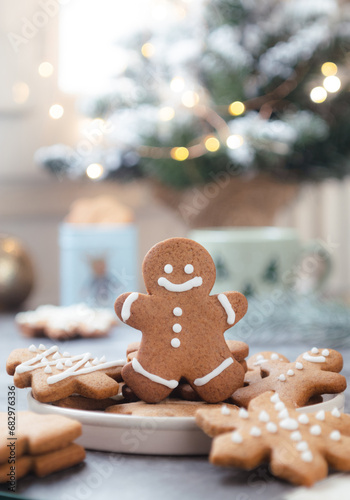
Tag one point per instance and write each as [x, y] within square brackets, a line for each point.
[177, 328]
[177, 311]
[175, 342]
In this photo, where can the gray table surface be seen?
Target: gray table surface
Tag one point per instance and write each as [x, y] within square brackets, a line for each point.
[111, 475]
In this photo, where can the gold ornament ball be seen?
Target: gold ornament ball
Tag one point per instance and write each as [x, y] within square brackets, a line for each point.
[16, 273]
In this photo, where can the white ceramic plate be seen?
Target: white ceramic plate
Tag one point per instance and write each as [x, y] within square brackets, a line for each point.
[149, 435]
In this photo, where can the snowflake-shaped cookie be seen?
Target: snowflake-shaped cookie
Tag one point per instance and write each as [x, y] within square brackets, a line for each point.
[54, 376]
[298, 446]
[313, 373]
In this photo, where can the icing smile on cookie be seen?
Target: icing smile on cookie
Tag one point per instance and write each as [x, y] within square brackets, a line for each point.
[180, 287]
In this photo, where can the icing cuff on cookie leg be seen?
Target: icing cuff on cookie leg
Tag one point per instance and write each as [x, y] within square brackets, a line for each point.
[146, 389]
[219, 383]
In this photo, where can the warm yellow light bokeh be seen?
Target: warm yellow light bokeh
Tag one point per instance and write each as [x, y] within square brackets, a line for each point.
[236, 108]
[234, 141]
[45, 69]
[212, 144]
[179, 154]
[167, 113]
[332, 84]
[177, 84]
[56, 111]
[20, 92]
[190, 99]
[94, 171]
[318, 95]
[148, 50]
[329, 69]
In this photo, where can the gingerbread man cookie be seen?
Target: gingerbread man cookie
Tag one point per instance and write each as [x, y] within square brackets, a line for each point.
[313, 373]
[299, 446]
[182, 325]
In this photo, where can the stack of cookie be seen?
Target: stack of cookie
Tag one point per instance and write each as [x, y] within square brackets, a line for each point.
[41, 444]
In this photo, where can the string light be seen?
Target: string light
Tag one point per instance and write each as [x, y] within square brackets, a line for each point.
[190, 99]
[212, 144]
[234, 141]
[166, 114]
[177, 84]
[45, 69]
[236, 108]
[329, 69]
[318, 95]
[20, 92]
[332, 84]
[56, 111]
[179, 154]
[94, 171]
[148, 50]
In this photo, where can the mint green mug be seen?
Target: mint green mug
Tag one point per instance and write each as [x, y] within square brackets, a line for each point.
[256, 261]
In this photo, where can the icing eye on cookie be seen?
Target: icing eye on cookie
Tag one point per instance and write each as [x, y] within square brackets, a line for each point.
[168, 268]
[188, 269]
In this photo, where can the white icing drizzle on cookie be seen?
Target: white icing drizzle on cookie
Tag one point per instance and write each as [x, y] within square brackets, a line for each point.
[236, 437]
[290, 373]
[283, 414]
[315, 430]
[325, 352]
[335, 436]
[242, 412]
[231, 315]
[225, 410]
[260, 361]
[274, 356]
[188, 269]
[42, 347]
[279, 406]
[314, 350]
[154, 378]
[177, 311]
[313, 359]
[299, 366]
[32, 348]
[177, 328]
[320, 415]
[264, 416]
[56, 355]
[290, 424]
[126, 309]
[180, 287]
[282, 377]
[199, 382]
[74, 365]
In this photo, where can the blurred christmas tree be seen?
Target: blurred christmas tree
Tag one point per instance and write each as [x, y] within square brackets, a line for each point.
[245, 85]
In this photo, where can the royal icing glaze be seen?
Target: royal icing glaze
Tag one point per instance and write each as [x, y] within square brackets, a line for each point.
[321, 415]
[307, 456]
[214, 373]
[32, 348]
[302, 446]
[290, 424]
[188, 269]
[279, 405]
[274, 356]
[264, 416]
[303, 418]
[271, 427]
[177, 311]
[242, 412]
[282, 378]
[255, 431]
[168, 268]
[73, 365]
[231, 315]
[315, 430]
[236, 437]
[314, 350]
[180, 287]
[275, 398]
[335, 412]
[225, 410]
[296, 436]
[298, 365]
[177, 328]
[283, 414]
[175, 342]
[290, 373]
[126, 309]
[314, 359]
[325, 352]
[335, 435]
[155, 378]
